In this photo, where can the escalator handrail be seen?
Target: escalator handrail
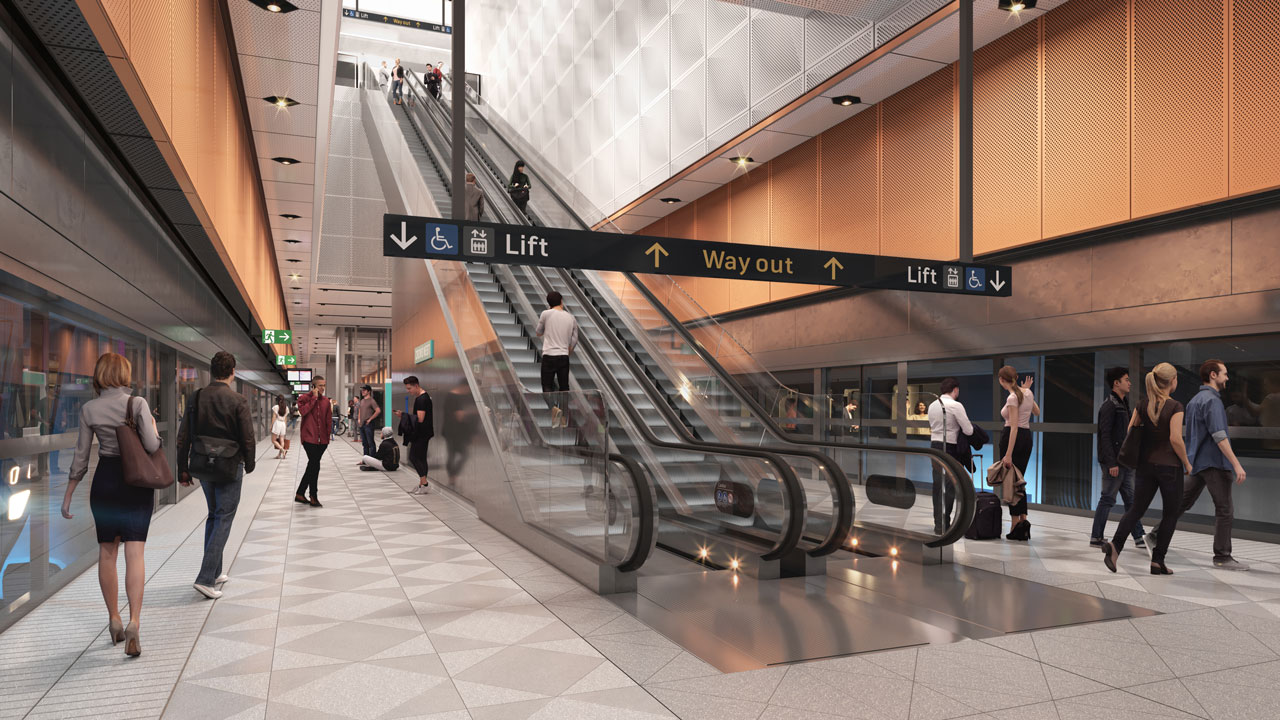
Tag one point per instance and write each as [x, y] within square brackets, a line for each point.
[794, 491]
[965, 490]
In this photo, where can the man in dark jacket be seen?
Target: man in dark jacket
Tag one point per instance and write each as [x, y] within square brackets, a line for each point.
[1113, 425]
[317, 428]
[388, 458]
[219, 413]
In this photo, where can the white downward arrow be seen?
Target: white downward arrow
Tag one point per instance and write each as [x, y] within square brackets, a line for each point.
[998, 284]
[404, 232]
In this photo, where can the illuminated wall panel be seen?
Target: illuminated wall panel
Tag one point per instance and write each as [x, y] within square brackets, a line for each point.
[849, 180]
[1255, 94]
[1179, 104]
[918, 171]
[793, 208]
[1006, 141]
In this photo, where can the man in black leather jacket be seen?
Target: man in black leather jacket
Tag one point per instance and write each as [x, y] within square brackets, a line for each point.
[1113, 425]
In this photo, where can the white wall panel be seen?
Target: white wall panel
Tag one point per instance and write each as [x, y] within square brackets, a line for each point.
[623, 93]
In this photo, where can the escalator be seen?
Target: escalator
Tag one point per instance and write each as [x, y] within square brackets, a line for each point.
[683, 370]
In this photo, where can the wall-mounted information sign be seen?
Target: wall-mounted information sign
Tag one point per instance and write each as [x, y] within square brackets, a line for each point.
[424, 352]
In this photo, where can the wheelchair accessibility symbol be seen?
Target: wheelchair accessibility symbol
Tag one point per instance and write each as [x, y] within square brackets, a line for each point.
[975, 279]
[444, 240]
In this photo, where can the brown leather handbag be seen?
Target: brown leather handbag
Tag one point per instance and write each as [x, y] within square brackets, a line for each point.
[140, 469]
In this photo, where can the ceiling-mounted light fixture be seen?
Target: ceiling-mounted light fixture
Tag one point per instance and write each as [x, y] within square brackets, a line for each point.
[742, 160]
[292, 260]
[292, 241]
[846, 100]
[290, 216]
[295, 277]
[286, 160]
[280, 101]
[275, 6]
[670, 201]
[1016, 5]
[295, 288]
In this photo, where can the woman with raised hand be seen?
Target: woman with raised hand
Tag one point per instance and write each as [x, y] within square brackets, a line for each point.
[1015, 442]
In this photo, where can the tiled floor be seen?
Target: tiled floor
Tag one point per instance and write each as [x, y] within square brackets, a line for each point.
[387, 605]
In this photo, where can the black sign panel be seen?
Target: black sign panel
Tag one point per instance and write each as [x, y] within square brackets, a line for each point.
[421, 237]
[393, 20]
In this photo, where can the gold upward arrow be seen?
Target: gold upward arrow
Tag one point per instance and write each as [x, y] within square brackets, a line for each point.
[657, 251]
[834, 264]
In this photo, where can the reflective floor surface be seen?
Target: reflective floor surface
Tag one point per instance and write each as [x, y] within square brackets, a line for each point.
[388, 605]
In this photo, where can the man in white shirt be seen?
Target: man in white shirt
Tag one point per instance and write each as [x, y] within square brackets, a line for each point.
[947, 420]
[559, 332]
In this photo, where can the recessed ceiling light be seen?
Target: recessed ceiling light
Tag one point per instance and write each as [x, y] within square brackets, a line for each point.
[294, 277]
[295, 288]
[280, 101]
[742, 160]
[275, 6]
[671, 201]
[292, 260]
[285, 160]
[1016, 5]
[289, 216]
[846, 100]
[292, 241]
[297, 302]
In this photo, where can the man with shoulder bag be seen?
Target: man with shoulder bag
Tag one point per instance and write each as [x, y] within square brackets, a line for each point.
[216, 446]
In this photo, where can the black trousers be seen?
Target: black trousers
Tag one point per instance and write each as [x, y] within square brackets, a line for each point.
[311, 476]
[944, 493]
[1021, 456]
[555, 371]
[1166, 479]
[418, 456]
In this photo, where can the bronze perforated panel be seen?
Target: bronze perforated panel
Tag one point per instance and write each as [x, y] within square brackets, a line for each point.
[1085, 182]
[749, 207]
[118, 14]
[1006, 141]
[1179, 104]
[183, 72]
[713, 215]
[683, 224]
[153, 20]
[793, 207]
[848, 209]
[1255, 93]
[917, 170]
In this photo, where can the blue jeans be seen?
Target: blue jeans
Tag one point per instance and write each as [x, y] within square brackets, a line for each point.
[1110, 485]
[397, 87]
[222, 497]
[366, 439]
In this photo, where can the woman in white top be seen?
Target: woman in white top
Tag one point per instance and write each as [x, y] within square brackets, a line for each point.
[121, 512]
[1015, 441]
[279, 426]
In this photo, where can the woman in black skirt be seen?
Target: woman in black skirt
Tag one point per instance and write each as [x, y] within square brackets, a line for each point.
[121, 512]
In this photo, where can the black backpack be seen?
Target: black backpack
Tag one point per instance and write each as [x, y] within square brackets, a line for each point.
[986, 518]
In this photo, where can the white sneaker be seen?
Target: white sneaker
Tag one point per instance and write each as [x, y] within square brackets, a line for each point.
[1230, 565]
[222, 579]
[207, 591]
[420, 490]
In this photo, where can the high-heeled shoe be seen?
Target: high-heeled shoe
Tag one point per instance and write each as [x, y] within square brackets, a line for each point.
[132, 645]
[116, 628]
[1160, 569]
[1110, 555]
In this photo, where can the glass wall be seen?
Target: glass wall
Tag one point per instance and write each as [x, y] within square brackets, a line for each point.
[48, 349]
[871, 404]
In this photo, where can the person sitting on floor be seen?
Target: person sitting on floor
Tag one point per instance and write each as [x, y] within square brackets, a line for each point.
[388, 458]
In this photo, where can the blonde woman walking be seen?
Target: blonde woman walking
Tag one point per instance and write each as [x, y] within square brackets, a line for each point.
[1015, 442]
[121, 512]
[1161, 463]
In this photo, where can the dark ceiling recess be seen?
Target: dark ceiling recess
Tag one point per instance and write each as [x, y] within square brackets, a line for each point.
[280, 101]
[290, 216]
[286, 160]
[846, 100]
[292, 241]
[671, 200]
[275, 6]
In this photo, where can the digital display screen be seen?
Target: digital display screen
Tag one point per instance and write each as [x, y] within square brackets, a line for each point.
[304, 376]
[294, 376]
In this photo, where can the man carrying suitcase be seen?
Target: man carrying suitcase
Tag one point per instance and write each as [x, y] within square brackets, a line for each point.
[947, 419]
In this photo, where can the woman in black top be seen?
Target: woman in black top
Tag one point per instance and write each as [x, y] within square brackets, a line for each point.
[518, 188]
[1163, 456]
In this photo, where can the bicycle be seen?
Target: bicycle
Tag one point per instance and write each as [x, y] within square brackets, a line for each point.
[339, 426]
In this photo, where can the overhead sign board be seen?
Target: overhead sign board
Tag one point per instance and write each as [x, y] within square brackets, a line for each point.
[299, 375]
[397, 21]
[270, 337]
[424, 352]
[286, 359]
[423, 237]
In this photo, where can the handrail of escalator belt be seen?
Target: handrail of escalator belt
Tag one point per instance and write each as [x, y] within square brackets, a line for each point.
[794, 491]
[964, 510]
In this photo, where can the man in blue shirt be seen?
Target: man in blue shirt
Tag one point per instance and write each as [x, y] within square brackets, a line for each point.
[1212, 460]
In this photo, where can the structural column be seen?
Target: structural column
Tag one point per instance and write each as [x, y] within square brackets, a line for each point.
[459, 101]
[966, 131]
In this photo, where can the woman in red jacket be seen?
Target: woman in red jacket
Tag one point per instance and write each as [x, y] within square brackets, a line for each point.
[317, 424]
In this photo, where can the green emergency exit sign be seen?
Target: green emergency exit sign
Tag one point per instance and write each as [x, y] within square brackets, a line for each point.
[286, 359]
[270, 337]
